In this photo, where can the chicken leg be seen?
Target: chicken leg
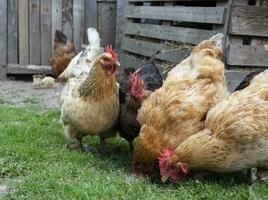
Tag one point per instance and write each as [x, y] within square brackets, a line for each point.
[76, 146]
[79, 146]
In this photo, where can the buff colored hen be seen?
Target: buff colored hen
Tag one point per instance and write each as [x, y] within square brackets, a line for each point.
[235, 136]
[178, 109]
[92, 104]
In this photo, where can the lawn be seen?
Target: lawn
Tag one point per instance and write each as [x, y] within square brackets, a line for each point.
[35, 165]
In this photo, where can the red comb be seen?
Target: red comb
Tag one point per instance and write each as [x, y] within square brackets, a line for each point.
[109, 49]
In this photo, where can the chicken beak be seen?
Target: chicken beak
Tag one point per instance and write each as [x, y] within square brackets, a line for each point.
[117, 64]
[164, 178]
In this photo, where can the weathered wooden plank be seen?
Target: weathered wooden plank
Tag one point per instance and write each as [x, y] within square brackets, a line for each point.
[23, 32]
[3, 38]
[224, 28]
[90, 15]
[166, 22]
[107, 1]
[34, 32]
[12, 43]
[107, 23]
[168, 0]
[56, 19]
[213, 15]
[234, 78]
[249, 20]
[146, 48]
[28, 69]
[247, 56]
[130, 61]
[45, 31]
[78, 26]
[178, 34]
[67, 18]
[120, 23]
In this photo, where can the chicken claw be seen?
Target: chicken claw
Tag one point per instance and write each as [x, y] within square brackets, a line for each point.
[79, 146]
[262, 174]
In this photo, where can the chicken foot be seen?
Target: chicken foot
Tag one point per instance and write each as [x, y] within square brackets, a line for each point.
[131, 148]
[79, 146]
[262, 174]
[104, 147]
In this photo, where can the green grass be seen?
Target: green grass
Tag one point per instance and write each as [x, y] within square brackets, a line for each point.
[35, 165]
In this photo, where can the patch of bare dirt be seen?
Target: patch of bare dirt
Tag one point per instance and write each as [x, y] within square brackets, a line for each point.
[21, 93]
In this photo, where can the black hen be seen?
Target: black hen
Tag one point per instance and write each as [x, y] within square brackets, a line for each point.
[147, 79]
[246, 81]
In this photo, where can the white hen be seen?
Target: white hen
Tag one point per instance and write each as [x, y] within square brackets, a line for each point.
[79, 64]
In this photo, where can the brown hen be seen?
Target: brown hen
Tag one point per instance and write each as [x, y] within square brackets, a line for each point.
[178, 109]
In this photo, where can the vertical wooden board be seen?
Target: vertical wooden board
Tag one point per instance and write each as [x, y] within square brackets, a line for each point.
[78, 15]
[224, 28]
[34, 32]
[3, 38]
[12, 20]
[257, 41]
[90, 15]
[56, 18]
[107, 22]
[120, 23]
[23, 32]
[67, 18]
[45, 31]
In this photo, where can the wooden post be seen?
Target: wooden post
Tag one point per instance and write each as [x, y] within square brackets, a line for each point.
[78, 25]
[56, 18]
[90, 15]
[224, 29]
[23, 32]
[45, 31]
[12, 20]
[34, 32]
[3, 39]
[120, 23]
[67, 18]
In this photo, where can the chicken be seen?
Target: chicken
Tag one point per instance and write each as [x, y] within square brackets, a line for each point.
[79, 64]
[92, 105]
[132, 92]
[64, 51]
[178, 109]
[150, 74]
[235, 136]
[43, 81]
[140, 89]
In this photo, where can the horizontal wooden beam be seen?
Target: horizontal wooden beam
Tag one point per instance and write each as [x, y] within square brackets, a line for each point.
[168, 0]
[213, 15]
[247, 56]
[172, 33]
[249, 20]
[131, 61]
[28, 69]
[146, 48]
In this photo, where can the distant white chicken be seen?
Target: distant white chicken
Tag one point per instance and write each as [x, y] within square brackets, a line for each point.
[43, 81]
[80, 64]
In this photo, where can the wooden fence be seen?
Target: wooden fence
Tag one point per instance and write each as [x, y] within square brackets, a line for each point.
[248, 32]
[151, 25]
[154, 25]
[27, 29]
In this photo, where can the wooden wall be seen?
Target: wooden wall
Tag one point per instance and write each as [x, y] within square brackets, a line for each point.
[248, 32]
[27, 29]
[172, 26]
[175, 26]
